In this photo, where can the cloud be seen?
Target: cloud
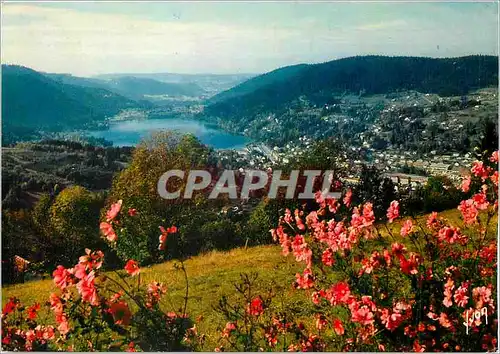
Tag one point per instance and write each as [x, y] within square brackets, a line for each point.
[81, 42]
[61, 39]
[382, 25]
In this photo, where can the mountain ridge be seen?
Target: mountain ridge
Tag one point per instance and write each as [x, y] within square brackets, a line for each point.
[32, 100]
[359, 74]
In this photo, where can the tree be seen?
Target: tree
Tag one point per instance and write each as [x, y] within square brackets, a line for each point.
[74, 215]
[137, 186]
[374, 188]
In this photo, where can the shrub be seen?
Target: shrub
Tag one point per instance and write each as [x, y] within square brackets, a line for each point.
[94, 311]
[378, 287]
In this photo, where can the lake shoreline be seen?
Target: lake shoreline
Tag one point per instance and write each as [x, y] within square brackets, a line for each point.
[129, 132]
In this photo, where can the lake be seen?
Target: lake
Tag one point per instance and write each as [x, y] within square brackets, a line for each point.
[131, 132]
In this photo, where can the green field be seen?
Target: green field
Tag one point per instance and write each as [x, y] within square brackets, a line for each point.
[210, 276]
[214, 274]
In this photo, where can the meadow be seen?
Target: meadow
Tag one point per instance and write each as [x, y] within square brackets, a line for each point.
[214, 274]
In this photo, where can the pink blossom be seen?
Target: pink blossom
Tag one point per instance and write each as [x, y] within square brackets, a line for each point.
[448, 290]
[327, 257]
[460, 296]
[469, 211]
[494, 178]
[338, 327]
[479, 170]
[348, 198]
[132, 267]
[62, 277]
[132, 212]
[432, 220]
[87, 289]
[494, 156]
[114, 210]
[407, 228]
[465, 186]
[305, 281]
[363, 315]
[393, 211]
[108, 231]
[480, 201]
[339, 293]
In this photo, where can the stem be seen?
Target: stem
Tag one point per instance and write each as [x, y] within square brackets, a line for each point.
[126, 292]
[186, 295]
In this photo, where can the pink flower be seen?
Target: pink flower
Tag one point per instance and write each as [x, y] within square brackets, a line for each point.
[321, 322]
[301, 251]
[121, 313]
[363, 315]
[32, 311]
[317, 296]
[131, 347]
[469, 211]
[132, 212]
[327, 257]
[368, 214]
[418, 348]
[80, 270]
[494, 156]
[348, 198]
[255, 307]
[108, 231]
[479, 170]
[465, 184]
[155, 290]
[339, 293]
[332, 204]
[298, 221]
[444, 321]
[391, 321]
[114, 210]
[480, 201]
[407, 228]
[494, 178]
[398, 249]
[393, 211]
[409, 266]
[460, 297]
[320, 199]
[432, 220]
[56, 306]
[230, 327]
[164, 235]
[452, 235]
[10, 306]
[448, 288]
[132, 267]
[63, 327]
[61, 277]
[338, 327]
[87, 289]
[305, 281]
[482, 296]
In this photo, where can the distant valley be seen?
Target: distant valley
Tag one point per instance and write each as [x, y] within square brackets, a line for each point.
[38, 105]
[371, 101]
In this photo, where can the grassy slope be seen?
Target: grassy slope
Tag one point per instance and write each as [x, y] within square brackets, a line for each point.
[210, 276]
[214, 274]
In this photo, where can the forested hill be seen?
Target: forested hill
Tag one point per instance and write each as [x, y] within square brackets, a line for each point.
[31, 100]
[258, 82]
[359, 75]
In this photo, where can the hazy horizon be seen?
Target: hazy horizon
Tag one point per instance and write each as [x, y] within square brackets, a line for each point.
[89, 39]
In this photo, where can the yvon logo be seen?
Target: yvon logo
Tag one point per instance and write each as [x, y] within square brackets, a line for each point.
[474, 316]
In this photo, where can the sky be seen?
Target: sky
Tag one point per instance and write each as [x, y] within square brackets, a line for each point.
[235, 37]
